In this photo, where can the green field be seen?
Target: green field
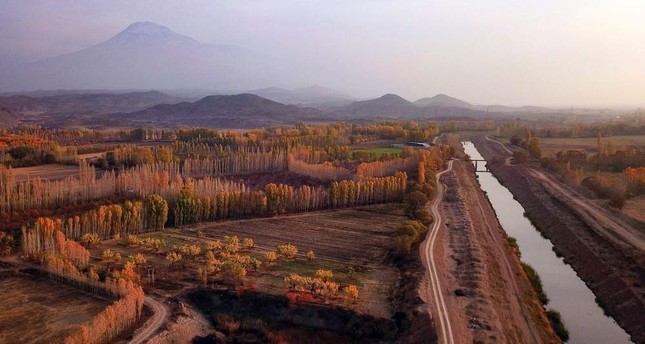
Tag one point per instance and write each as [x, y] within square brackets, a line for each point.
[379, 151]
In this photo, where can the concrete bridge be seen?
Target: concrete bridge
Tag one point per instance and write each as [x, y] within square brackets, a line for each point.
[480, 165]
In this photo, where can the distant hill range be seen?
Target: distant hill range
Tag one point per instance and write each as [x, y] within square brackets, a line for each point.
[246, 110]
[318, 96]
[86, 103]
[394, 106]
[224, 111]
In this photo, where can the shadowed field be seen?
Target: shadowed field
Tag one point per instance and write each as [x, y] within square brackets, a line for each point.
[36, 310]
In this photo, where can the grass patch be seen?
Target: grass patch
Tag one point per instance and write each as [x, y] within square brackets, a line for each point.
[512, 242]
[558, 325]
[536, 282]
[602, 306]
[378, 152]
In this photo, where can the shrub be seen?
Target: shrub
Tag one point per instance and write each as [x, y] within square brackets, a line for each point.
[288, 251]
[190, 250]
[107, 255]
[408, 234]
[351, 291]
[137, 259]
[233, 272]
[311, 256]
[271, 256]
[536, 282]
[231, 244]
[132, 240]
[90, 239]
[324, 275]
[248, 243]
[173, 258]
[213, 245]
[255, 263]
[558, 325]
[6, 244]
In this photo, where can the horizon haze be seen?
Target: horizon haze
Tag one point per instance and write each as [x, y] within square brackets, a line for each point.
[548, 54]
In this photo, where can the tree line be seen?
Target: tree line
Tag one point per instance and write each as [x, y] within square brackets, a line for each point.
[64, 259]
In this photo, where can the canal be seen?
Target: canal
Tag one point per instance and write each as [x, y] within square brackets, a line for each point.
[567, 293]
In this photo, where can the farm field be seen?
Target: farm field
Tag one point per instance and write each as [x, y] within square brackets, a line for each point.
[633, 208]
[38, 310]
[45, 172]
[359, 238]
[550, 146]
[378, 151]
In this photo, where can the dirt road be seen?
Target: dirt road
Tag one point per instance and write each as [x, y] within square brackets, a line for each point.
[479, 291]
[596, 217]
[599, 219]
[154, 323]
[445, 333]
[496, 302]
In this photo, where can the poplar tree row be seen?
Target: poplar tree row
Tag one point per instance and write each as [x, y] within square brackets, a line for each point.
[280, 198]
[141, 181]
[388, 167]
[64, 259]
[325, 171]
[112, 321]
[236, 164]
[107, 221]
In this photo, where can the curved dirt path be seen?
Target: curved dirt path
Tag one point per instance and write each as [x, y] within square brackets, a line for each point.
[445, 334]
[508, 160]
[597, 218]
[153, 324]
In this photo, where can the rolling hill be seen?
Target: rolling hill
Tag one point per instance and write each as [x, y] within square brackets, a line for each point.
[442, 100]
[222, 111]
[389, 105]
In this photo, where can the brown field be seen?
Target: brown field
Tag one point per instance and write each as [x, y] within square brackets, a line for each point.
[633, 208]
[35, 310]
[359, 238]
[45, 172]
[550, 146]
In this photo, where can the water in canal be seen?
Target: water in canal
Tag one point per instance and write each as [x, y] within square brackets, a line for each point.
[567, 293]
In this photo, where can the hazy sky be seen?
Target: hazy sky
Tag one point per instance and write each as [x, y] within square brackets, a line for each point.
[486, 52]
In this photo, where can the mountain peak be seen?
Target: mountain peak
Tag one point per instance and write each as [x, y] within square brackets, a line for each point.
[146, 28]
[141, 32]
[393, 97]
[442, 100]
